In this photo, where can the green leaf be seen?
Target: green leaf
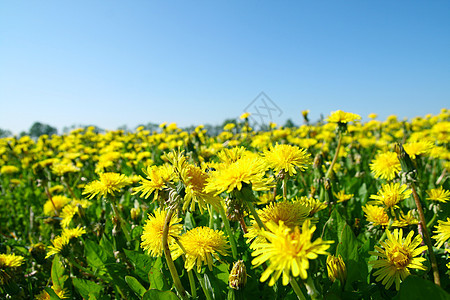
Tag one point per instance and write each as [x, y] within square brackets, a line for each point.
[414, 287]
[135, 285]
[58, 277]
[159, 295]
[95, 255]
[156, 276]
[51, 293]
[87, 288]
[142, 264]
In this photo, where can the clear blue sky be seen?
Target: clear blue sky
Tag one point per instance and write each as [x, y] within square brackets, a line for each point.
[111, 63]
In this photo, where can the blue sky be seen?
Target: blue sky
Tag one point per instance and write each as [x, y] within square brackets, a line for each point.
[111, 63]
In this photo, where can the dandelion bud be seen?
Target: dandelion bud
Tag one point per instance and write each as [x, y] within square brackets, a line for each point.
[38, 252]
[238, 275]
[135, 213]
[336, 268]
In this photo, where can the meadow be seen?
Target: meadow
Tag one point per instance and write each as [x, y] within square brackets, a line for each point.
[338, 209]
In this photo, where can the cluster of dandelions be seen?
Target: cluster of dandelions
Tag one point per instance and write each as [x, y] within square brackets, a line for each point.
[242, 201]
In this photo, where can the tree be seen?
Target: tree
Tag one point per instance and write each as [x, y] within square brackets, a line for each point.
[5, 133]
[38, 129]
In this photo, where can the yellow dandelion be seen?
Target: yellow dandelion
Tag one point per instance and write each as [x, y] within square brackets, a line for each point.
[58, 245]
[73, 232]
[340, 116]
[287, 158]
[9, 169]
[11, 260]
[108, 184]
[442, 232]
[200, 245]
[342, 197]
[151, 239]
[57, 202]
[376, 215]
[67, 214]
[405, 220]
[288, 251]
[385, 165]
[244, 116]
[249, 169]
[313, 204]
[157, 178]
[62, 294]
[397, 256]
[438, 194]
[417, 148]
[391, 194]
[336, 268]
[61, 168]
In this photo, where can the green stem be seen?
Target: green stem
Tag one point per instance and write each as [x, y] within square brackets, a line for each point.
[173, 270]
[192, 285]
[284, 186]
[202, 284]
[433, 219]
[297, 289]
[228, 230]
[121, 221]
[434, 266]
[255, 214]
[333, 162]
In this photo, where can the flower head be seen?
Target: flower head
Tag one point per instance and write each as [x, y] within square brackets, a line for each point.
[62, 294]
[376, 215]
[157, 178]
[442, 232]
[56, 203]
[340, 116]
[438, 194]
[341, 196]
[287, 158]
[151, 239]
[336, 268]
[397, 256]
[109, 183]
[11, 260]
[385, 165]
[391, 194]
[200, 245]
[288, 251]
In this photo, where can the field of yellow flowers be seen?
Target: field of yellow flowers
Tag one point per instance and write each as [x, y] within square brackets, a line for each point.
[339, 209]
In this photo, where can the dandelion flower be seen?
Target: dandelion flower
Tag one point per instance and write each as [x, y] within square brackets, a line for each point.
[397, 256]
[59, 243]
[342, 197]
[9, 169]
[287, 158]
[157, 177]
[336, 268]
[288, 251]
[416, 148]
[60, 169]
[438, 194]
[385, 165]
[376, 215]
[405, 220]
[201, 244]
[151, 239]
[313, 204]
[340, 116]
[442, 232]
[249, 169]
[391, 194]
[57, 202]
[11, 260]
[109, 183]
[43, 295]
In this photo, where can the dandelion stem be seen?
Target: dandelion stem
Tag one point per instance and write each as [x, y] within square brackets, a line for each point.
[284, 186]
[333, 162]
[255, 214]
[202, 284]
[49, 195]
[297, 289]
[173, 270]
[121, 221]
[192, 284]
[426, 234]
[228, 230]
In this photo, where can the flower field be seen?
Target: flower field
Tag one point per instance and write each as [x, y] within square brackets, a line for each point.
[339, 209]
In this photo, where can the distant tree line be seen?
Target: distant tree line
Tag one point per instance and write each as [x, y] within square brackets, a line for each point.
[38, 128]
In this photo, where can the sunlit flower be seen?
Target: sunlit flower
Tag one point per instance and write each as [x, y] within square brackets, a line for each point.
[391, 194]
[417, 148]
[405, 220]
[244, 116]
[11, 260]
[336, 268]
[442, 232]
[200, 245]
[108, 184]
[438, 194]
[287, 158]
[397, 256]
[340, 116]
[288, 251]
[385, 165]
[314, 205]
[249, 169]
[43, 295]
[9, 169]
[151, 239]
[341, 196]
[56, 203]
[59, 243]
[376, 215]
[157, 178]
[61, 168]
[238, 275]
